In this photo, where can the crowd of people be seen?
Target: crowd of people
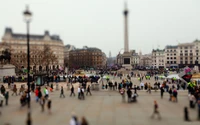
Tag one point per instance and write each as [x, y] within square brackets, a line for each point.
[125, 88]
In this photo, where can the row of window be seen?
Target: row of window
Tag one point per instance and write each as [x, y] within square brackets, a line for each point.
[171, 62]
[171, 54]
[171, 58]
[186, 47]
[171, 51]
[186, 62]
[191, 54]
[187, 58]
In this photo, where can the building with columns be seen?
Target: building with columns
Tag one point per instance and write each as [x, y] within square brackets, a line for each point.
[18, 47]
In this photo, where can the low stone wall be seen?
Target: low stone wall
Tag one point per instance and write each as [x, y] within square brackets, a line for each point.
[6, 70]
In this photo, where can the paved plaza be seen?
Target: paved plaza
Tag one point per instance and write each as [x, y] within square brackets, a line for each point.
[104, 107]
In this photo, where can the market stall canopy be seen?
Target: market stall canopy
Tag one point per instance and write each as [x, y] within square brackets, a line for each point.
[173, 76]
[196, 76]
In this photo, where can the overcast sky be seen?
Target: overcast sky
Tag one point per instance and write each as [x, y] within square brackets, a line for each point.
[100, 23]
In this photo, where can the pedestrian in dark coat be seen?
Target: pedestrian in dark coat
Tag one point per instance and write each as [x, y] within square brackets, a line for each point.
[161, 92]
[6, 97]
[62, 92]
[186, 114]
[129, 93]
[49, 105]
[72, 91]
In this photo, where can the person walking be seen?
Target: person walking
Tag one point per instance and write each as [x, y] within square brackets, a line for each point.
[161, 92]
[186, 114]
[129, 94]
[14, 90]
[74, 120]
[3, 90]
[175, 94]
[82, 93]
[39, 93]
[79, 92]
[49, 105]
[198, 102]
[21, 90]
[88, 90]
[6, 97]
[46, 93]
[84, 121]
[156, 111]
[170, 94]
[149, 88]
[42, 103]
[33, 86]
[62, 92]
[122, 91]
[1, 99]
[72, 91]
[192, 101]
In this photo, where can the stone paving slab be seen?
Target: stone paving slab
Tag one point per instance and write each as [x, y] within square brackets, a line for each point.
[104, 107]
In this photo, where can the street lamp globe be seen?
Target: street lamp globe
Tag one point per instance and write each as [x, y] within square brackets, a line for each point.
[27, 15]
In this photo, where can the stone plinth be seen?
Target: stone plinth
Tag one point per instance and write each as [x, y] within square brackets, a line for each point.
[127, 60]
[6, 70]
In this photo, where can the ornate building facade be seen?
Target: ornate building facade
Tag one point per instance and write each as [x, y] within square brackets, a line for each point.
[51, 45]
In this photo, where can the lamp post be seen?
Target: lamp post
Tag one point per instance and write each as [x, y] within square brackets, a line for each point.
[27, 17]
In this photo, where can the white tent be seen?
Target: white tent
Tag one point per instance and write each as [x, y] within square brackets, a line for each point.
[173, 76]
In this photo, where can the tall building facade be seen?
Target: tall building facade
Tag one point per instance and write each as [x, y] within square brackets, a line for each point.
[187, 54]
[67, 49]
[135, 58]
[158, 58]
[171, 56]
[18, 47]
[87, 57]
[145, 60]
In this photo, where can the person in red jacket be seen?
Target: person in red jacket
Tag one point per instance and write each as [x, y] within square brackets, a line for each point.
[36, 94]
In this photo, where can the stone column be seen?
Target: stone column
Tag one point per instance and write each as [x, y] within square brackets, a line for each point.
[126, 43]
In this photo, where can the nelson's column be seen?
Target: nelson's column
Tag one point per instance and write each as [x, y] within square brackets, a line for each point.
[126, 56]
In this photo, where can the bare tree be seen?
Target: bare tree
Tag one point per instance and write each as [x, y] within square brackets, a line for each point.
[48, 58]
[36, 57]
